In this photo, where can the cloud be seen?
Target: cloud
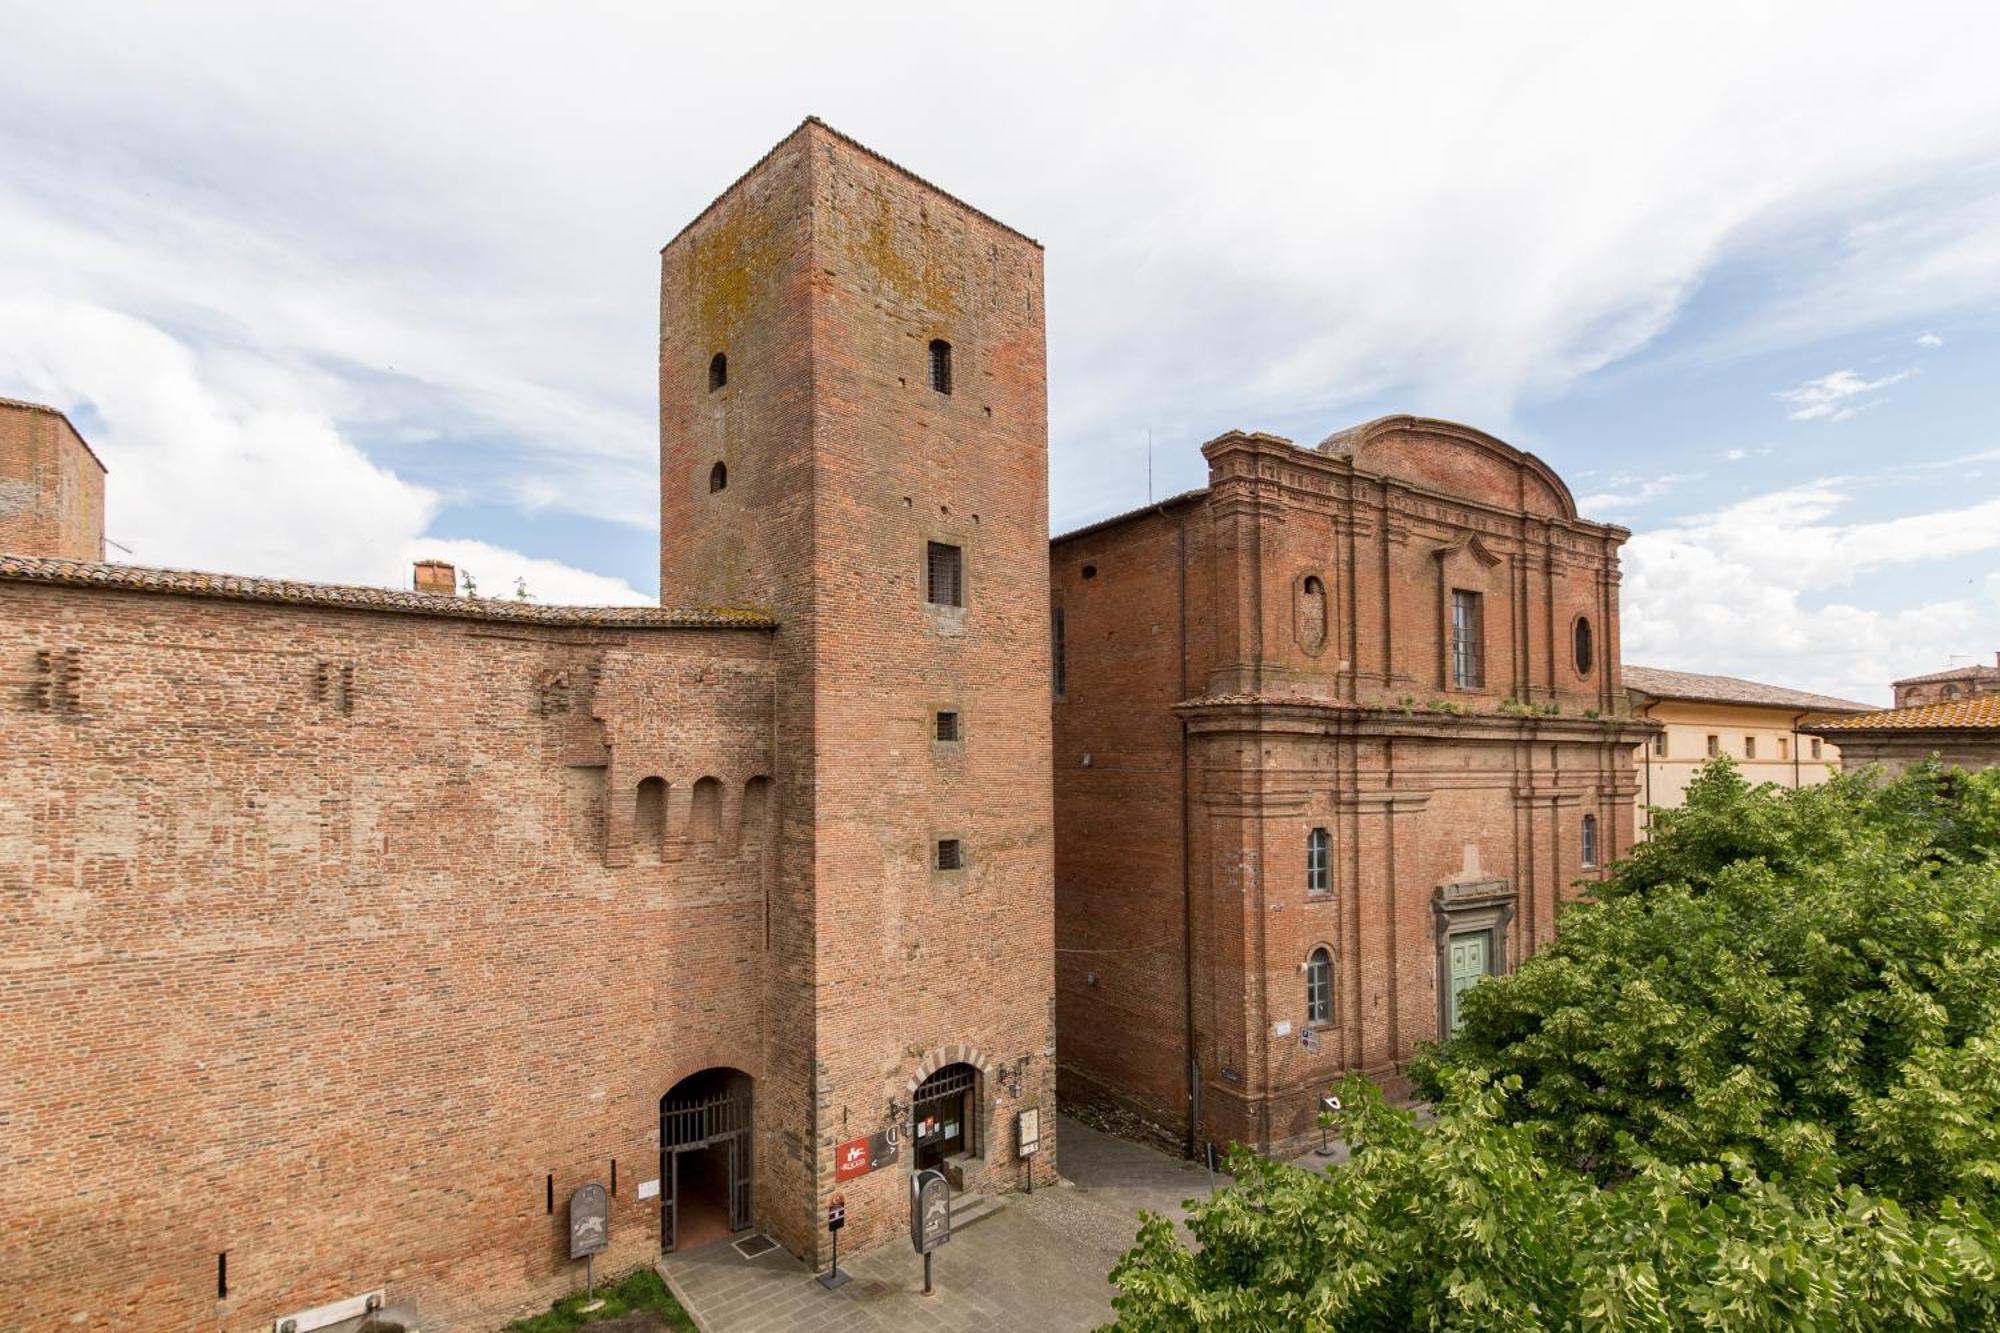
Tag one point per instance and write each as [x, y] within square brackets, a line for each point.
[1753, 590]
[1738, 455]
[1828, 398]
[224, 460]
[1633, 492]
[1929, 340]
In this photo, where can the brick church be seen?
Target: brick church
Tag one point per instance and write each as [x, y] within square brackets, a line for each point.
[346, 931]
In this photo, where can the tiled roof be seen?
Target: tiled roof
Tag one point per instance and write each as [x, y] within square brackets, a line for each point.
[237, 588]
[1663, 684]
[1977, 712]
[1956, 673]
[1171, 502]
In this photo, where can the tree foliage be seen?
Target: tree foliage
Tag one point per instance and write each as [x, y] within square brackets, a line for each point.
[1756, 1084]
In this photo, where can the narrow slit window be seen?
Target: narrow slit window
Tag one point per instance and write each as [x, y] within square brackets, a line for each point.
[940, 365]
[549, 1183]
[1590, 841]
[1815, 747]
[1749, 747]
[1586, 651]
[1468, 640]
[718, 477]
[1660, 745]
[1714, 746]
[718, 372]
[947, 726]
[222, 1276]
[944, 575]
[1058, 655]
[950, 854]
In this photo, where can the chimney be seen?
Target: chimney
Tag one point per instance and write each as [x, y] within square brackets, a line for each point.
[438, 576]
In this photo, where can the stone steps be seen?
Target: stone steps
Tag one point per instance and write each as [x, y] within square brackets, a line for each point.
[967, 1209]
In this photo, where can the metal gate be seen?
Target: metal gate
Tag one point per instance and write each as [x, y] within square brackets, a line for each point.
[942, 1115]
[705, 1110]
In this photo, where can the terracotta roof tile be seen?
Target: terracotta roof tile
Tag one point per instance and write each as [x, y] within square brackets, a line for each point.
[1977, 712]
[239, 588]
[1663, 684]
[1956, 673]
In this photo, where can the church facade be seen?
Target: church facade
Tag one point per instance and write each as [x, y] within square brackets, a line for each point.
[1336, 736]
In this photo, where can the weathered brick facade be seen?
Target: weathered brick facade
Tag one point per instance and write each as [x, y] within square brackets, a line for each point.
[1274, 655]
[344, 933]
[51, 485]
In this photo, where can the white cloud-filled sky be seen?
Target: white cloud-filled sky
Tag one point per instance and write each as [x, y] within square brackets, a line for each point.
[333, 287]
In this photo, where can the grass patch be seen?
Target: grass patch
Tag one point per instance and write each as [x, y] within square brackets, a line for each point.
[640, 1289]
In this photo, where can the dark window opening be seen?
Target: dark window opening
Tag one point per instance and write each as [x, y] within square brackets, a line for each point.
[950, 854]
[945, 575]
[614, 1175]
[718, 478]
[1090, 571]
[1058, 654]
[1468, 640]
[947, 726]
[1319, 987]
[1586, 655]
[1660, 745]
[1749, 747]
[718, 372]
[549, 1182]
[222, 1276]
[940, 365]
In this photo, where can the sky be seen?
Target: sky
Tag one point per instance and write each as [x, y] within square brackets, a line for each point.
[335, 287]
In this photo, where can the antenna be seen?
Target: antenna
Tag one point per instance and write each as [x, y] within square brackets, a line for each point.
[1149, 465]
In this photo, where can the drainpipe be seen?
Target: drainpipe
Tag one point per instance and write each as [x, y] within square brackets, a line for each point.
[1187, 850]
[1647, 713]
[1795, 750]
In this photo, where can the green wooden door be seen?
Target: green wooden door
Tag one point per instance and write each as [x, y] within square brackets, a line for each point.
[1471, 960]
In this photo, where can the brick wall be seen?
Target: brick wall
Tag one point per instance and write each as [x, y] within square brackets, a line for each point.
[824, 276]
[1305, 597]
[316, 950]
[51, 486]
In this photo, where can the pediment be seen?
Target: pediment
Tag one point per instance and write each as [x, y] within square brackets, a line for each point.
[1470, 544]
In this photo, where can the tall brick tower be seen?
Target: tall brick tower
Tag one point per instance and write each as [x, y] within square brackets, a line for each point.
[853, 436]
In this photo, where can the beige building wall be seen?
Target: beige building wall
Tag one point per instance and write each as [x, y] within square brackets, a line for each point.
[1762, 740]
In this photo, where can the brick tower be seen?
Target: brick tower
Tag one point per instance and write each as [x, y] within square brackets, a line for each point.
[853, 436]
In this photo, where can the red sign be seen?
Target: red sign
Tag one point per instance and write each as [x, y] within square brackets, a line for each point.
[850, 1159]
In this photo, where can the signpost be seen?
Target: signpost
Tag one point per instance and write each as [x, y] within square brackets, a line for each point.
[930, 1216]
[589, 1230]
[836, 1218]
[1028, 1140]
[1327, 1106]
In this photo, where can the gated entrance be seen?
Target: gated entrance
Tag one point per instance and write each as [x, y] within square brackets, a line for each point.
[943, 1109]
[705, 1124]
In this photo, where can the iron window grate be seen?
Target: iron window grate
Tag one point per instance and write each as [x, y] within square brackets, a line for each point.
[945, 575]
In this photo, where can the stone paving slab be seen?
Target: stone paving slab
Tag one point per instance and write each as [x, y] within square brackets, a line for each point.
[1040, 1263]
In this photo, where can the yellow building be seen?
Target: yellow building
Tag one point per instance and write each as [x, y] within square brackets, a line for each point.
[1756, 725]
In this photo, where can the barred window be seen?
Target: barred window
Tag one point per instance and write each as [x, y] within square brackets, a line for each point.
[1468, 640]
[947, 726]
[945, 575]
[940, 365]
[1319, 861]
[950, 854]
[1319, 986]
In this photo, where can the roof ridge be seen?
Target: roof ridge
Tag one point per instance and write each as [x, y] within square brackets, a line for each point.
[361, 597]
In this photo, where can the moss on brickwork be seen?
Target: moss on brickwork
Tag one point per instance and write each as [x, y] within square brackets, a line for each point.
[638, 1292]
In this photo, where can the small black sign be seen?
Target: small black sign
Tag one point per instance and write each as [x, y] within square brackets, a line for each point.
[836, 1212]
[589, 1221]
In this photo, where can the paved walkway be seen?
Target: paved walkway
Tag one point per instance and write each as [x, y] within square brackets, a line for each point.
[1038, 1263]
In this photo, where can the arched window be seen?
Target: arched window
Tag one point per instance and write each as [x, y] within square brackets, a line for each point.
[718, 372]
[1319, 986]
[649, 821]
[1590, 840]
[940, 365]
[944, 1113]
[1586, 655]
[705, 816]
[1319, 861]
[718, 478]
[1951, 691]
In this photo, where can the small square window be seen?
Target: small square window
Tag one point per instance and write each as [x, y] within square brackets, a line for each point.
[947, 726]
[1815, 747]
[945, 575]
[950, 854]
[1714, 746]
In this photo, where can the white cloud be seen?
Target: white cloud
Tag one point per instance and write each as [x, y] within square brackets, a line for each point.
[1830, 397]
[227, 461]
[1739, 455]
[1632, 492]
[1750, 590]
[1929, 340]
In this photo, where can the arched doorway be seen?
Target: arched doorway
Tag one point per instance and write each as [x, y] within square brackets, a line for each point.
[705, 1123]
[945, 1115]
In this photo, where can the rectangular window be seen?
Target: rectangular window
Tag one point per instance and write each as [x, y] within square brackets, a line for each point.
[1714, 746]
[1660, 745]
[1749, 747]
[950, 854]
[1058, 654]
[1784, 747]
[1468, 640]
[947, 726]
[945, 575]
[1319, 858]
[1815, 747]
